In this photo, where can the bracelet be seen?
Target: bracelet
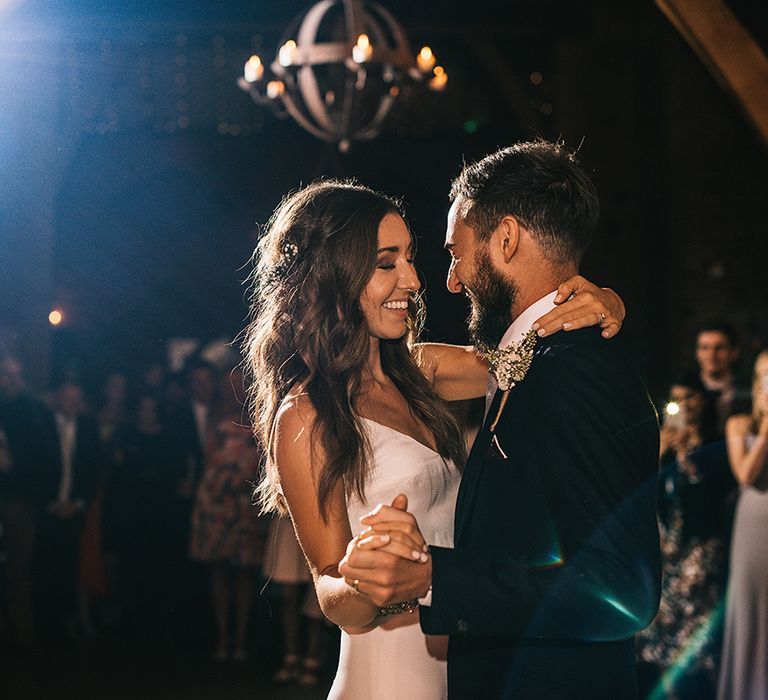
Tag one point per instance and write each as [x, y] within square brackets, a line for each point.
[409, 606]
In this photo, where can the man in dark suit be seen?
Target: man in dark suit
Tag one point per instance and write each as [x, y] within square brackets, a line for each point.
[188, 428]
[556, 558]
[73, 474]
[24, 458]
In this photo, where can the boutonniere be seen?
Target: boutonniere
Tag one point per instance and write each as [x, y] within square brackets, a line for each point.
[509, 365]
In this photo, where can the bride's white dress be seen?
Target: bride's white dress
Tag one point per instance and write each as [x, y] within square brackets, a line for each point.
[396, 660]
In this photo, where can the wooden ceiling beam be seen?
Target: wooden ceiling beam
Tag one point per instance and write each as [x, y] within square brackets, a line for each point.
[728, 50]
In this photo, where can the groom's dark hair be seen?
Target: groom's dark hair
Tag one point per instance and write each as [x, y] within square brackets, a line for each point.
[543, 186]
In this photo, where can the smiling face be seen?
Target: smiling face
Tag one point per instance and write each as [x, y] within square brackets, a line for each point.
[472, 272]
[385, 298]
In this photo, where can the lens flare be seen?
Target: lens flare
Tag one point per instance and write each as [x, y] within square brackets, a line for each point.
[688, 655]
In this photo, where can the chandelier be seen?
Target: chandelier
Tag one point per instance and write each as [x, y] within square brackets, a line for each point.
[340, 69]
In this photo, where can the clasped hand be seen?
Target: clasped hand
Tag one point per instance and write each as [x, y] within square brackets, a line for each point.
[389, 561]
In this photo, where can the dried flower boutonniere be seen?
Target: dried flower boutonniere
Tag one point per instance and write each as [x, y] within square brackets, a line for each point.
[509, 365]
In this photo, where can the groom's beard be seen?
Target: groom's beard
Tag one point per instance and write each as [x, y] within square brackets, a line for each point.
[492, 297]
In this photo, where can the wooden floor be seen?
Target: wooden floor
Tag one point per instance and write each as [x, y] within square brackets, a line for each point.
[107, 669]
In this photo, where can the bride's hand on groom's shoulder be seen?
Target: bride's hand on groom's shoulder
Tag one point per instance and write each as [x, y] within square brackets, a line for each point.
[581, 304]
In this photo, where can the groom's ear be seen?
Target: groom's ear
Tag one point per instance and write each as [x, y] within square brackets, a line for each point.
[506, 238]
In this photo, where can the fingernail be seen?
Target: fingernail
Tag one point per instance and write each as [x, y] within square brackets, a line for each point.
[535, 326]
[558, 297]
[424, 548]
[567, 325]
[423, 558]
[417, 555]
[541, 332]
[382, 538]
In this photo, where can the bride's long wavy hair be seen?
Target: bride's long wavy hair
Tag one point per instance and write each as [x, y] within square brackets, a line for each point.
[307, 329]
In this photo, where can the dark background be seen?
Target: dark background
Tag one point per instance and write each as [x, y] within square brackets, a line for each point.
[134, 173]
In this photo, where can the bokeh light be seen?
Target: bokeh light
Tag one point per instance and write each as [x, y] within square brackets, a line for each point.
[55, 317]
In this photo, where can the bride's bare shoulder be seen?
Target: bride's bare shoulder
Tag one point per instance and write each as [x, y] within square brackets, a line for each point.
[295, 417]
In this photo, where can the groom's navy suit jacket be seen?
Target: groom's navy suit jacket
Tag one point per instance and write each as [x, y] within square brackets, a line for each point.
[556, 558]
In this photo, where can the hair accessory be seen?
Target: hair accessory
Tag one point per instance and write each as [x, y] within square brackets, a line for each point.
[280, 269]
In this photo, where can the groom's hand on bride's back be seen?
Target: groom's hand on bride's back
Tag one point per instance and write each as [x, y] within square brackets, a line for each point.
[389, 559]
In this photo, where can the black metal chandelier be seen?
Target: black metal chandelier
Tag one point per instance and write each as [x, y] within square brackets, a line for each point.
[340, 68]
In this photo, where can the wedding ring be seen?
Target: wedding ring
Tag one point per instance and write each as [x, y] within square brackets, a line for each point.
[355, 585]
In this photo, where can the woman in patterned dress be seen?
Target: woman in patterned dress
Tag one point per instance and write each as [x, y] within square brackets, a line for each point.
[227, 532]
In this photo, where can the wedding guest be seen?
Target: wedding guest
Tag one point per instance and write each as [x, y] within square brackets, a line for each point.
[717, 352]
[153, 380]
[24, 457]
[110, 418]
[72, 485]
[694, 483]
[189, 428]
[111, 414]
[284, 564]
[138, 501]
[227, 532]
[744, 673]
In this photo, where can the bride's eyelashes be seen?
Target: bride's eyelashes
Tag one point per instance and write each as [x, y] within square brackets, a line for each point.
[391, 266]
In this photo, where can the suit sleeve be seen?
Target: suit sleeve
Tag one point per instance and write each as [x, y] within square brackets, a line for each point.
[598, 471]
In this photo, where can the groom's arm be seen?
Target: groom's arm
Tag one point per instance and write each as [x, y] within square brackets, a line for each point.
[599, 597]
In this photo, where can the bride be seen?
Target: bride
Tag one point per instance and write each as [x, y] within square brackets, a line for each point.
[351, 411]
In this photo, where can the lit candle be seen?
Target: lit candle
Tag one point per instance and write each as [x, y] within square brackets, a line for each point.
[287, 53]
[440, 79]
[425, 60]
[362, 51]
[254, 70]
[275, 88]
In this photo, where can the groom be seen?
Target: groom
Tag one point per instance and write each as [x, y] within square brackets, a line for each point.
[556, 558]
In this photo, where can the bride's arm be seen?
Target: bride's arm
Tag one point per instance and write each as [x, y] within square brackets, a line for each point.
[456, 372]
[324, 542]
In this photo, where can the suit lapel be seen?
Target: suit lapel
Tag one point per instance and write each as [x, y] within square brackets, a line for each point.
[476, 463]
[483, 445]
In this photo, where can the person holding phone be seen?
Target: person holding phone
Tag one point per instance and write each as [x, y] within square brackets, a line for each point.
[744, 671]
[694, 483]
